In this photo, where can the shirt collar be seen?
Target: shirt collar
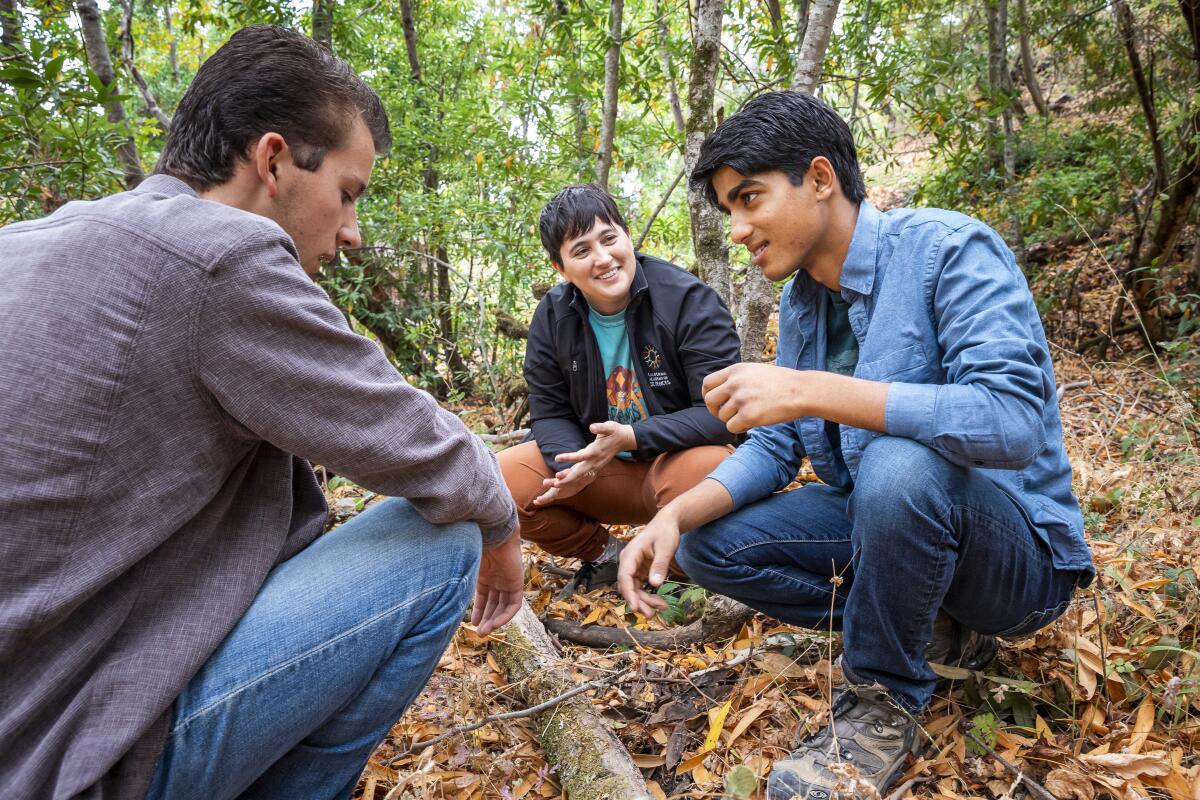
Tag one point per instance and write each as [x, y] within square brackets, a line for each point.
[858, 270]
[166, 185]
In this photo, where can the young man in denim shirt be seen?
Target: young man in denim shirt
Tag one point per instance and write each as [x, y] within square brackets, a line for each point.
[913, 372]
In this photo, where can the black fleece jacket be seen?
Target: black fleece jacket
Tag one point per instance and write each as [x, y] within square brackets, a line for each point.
[679, 332]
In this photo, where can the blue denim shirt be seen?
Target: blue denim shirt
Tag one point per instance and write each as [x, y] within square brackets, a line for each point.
[942, 313]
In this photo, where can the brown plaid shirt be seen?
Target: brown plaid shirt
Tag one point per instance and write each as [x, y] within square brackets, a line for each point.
[166, 370]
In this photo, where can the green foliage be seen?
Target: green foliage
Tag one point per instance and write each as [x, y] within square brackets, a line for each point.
[684, 602]
[740, 782]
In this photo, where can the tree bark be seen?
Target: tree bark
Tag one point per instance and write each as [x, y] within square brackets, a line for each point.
[708, 227]
[173, 48]
[807, 75]
[1028, 71]
[101, 64]
[10, 25]
[589, 760]
[754, 311]
[322, 23]
[612, 78]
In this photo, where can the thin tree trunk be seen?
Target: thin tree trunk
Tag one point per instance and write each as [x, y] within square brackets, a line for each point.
[776, 14]
[664, 53]
[322, 23]
[1128, 35]
[754, 311]
[438, 269]
[708, 227]
[173, 49]
[10, 25]
[98, 58]
[1000, 91]
[127, 59]
[995, 83]
[1027, 64]
[802, 13]
[818, 29]
[612, 78]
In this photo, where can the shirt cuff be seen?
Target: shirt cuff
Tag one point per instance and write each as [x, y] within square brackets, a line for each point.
[746, 476]
[910, 410]
[494, 535]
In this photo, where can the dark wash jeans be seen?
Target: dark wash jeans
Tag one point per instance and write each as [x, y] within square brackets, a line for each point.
[915, 534]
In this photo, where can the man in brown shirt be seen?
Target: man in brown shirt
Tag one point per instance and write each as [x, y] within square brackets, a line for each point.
[169, 619]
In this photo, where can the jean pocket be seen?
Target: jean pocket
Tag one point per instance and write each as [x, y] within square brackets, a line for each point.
[1034, 622]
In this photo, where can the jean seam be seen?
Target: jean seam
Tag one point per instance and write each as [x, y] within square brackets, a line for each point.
[226, 696]
[749, 545]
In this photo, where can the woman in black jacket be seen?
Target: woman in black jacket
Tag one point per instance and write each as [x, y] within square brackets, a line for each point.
[614, 363]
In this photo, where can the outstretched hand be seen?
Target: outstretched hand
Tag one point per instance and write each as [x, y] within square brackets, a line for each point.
[645, 560]
[498, 590]
[611, 438]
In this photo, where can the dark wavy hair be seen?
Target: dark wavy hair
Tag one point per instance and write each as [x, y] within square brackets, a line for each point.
[781, 131]
[267, 78]
[573, 211]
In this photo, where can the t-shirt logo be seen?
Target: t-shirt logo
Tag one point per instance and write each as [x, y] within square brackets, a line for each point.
[625, 403]
[651, 356]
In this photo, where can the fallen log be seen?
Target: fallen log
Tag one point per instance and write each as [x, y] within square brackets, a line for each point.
[723, 617]
[588, 759]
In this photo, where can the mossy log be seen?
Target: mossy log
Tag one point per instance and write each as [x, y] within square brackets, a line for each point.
[589, 760]
[723, 617]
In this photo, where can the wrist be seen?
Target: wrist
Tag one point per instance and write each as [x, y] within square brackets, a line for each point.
[628, 438]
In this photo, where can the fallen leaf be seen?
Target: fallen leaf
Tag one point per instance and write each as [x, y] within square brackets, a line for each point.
[1130, 765]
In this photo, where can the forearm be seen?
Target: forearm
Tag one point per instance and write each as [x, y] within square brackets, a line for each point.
[839, 398]
[703, 503]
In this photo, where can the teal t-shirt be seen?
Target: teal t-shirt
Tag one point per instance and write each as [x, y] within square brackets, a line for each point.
[626, 404]
[841, 353]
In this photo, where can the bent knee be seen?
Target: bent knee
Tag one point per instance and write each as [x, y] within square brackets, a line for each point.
[896, 471]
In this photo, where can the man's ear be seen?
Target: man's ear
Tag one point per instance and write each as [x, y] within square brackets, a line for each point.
[824, 179]
[267, 153]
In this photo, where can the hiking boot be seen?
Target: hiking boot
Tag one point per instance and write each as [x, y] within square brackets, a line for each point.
[873, 738]
[956, 645]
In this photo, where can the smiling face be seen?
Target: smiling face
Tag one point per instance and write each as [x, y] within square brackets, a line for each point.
[317, 208]
[787, 227]
[601, 264]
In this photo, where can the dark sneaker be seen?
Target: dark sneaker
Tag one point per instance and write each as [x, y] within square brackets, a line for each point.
[595, 574]
[956, 645]
[863, 748]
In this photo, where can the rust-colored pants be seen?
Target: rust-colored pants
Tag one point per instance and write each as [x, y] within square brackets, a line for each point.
[622, 493]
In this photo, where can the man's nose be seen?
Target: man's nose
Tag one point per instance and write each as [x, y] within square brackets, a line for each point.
[739, 230]
[348, 236]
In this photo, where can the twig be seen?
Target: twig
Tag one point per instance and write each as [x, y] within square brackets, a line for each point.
[661, 204]
[908, 784]
[1035, 788]
[524, 712]
[1066, 387]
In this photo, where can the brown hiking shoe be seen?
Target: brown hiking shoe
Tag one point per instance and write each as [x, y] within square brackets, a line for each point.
[956, 645]
[864, 745]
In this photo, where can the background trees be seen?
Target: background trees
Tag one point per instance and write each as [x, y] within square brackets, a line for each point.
[1052, 119]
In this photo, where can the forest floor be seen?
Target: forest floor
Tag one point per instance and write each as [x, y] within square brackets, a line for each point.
[1103, 703]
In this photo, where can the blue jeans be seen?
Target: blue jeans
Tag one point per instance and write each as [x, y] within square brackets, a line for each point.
[339, 641]
[915, 534]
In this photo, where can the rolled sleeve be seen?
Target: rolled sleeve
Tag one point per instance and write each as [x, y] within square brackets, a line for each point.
[910, 410]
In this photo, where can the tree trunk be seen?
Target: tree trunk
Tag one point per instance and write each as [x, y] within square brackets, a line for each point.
[807, 75]
[10, 25]
[708, 228]
[322, 23]
[98, 58]
[612, 78]
[589, 760]
[664, 53]
[1128, 36]
[173, 48]
[127, 59]
[754, 311]
[1027, 64]
[802, 13]
[995, 83]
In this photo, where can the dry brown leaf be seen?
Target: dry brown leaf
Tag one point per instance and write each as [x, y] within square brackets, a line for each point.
[1067, 784]
[1130, 766]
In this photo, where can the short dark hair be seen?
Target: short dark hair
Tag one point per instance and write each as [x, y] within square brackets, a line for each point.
[781, 131]
[267, 78]
[572, 212]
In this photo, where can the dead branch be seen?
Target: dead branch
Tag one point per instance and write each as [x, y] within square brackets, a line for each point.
[587, 756]
[524, 712]
[722, 618]
[505, 438]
